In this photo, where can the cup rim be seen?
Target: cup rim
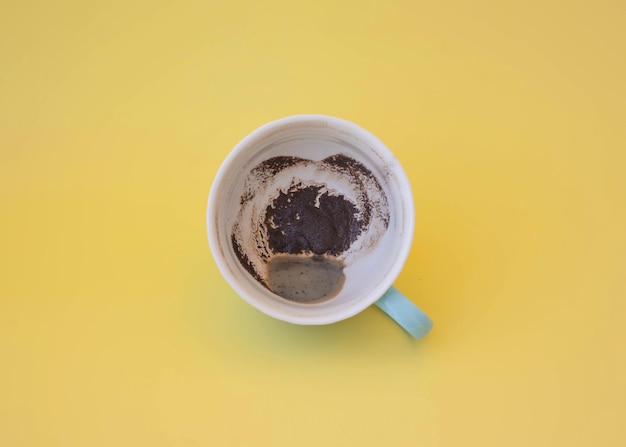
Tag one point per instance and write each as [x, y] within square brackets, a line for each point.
[377, 290]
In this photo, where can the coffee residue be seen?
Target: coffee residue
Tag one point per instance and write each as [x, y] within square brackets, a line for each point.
[243, 259]
[267, 169]
[307, 220]
[308, 217]
[305, 279]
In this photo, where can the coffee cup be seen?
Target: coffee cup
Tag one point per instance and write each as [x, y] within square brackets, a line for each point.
[310, 220]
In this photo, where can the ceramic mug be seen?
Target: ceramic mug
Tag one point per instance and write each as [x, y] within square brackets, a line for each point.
[315, 187]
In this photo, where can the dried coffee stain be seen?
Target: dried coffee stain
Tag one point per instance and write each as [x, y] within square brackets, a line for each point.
[350, 167]
[243, 259]
[267, 169]
[306, 217]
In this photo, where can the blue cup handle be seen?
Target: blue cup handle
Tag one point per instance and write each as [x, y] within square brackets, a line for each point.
[405, 313]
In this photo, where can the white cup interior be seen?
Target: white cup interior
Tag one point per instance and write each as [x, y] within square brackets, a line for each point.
[370, 270]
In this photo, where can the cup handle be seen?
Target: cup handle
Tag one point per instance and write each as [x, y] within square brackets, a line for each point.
[405, 313]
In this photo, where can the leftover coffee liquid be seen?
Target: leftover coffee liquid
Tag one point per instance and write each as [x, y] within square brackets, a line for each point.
[305, 278]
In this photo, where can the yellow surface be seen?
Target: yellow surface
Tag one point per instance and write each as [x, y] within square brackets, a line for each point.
[116, 328]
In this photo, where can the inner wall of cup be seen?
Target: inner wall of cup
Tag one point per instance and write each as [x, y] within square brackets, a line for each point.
[366, 267]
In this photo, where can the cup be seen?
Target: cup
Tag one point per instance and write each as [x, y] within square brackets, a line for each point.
[310, 220]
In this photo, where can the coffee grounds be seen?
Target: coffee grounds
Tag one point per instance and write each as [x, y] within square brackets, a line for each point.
[306, 220]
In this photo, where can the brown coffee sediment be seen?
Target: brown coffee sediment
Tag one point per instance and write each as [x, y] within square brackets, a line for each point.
[307, 220]
[307, 227]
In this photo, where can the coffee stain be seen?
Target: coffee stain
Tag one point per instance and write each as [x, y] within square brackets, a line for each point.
[292, 206]
[243, 258]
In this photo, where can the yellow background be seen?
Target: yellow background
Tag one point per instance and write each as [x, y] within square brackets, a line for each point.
[116, 328]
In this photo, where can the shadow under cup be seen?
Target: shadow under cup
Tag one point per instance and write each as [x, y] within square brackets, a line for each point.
[314, 186]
